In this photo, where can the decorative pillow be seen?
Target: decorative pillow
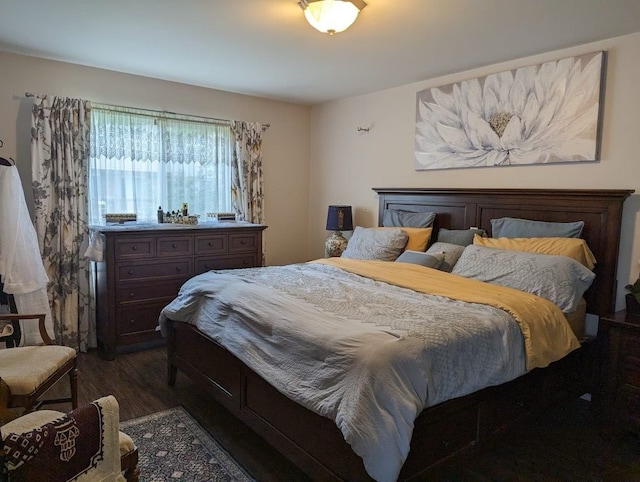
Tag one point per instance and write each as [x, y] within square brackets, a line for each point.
[418, 238]
[419, 257]
[575, 248]
[525, 228]
[559, 279]
[462, 237]
[393, 217]
[373, 243]
[451, 253]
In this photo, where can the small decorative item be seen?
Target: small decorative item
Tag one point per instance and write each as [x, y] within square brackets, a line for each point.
[338, 219]
[632, 298]
[120, 218]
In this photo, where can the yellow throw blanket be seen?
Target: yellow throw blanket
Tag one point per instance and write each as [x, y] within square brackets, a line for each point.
[547, 334]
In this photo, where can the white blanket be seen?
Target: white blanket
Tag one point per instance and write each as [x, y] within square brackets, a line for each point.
[368, 355]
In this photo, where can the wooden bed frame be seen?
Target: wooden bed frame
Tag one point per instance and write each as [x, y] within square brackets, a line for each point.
[451, 428]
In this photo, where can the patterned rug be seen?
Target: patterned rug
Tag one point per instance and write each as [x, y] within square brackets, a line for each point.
[173, 446]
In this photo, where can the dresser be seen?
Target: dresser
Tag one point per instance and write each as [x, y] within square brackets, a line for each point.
[144, 266]
[620, 381]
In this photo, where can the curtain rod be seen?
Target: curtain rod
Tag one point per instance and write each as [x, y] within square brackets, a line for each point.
[264, 126]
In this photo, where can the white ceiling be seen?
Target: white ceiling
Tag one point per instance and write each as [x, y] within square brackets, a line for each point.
[266, 48]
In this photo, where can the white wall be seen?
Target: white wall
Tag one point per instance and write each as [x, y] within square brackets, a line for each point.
[286, 143]
[346, 163]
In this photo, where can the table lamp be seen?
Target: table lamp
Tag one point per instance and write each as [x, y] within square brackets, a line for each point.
[338, 219]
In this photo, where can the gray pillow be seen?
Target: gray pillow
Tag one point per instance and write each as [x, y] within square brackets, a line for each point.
[408, 219]
[462, 237]
[559, 279]
[451, 253]
[419, 257]
[525, 228]
[373, 243]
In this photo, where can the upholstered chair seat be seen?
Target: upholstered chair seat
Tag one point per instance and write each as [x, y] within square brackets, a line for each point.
[28, 372]
[25, 368]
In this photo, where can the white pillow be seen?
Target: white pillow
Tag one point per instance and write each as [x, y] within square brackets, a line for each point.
[559, 279]
[379, 244]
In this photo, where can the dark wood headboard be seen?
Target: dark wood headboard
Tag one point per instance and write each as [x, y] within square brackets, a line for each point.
[600, 209]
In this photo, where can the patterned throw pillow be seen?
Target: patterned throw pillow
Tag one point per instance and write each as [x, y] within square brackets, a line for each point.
[378, 244]
[559, 279]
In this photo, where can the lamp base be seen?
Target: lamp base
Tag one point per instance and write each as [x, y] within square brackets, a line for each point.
[335, 244]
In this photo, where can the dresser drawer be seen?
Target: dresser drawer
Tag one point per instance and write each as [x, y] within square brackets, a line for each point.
[242, 242]
[631, 345]
[178, 268]
[147, 291]
[207, 264]
[628, 404]
[630, 371]
[134, 248]
[212, 244]
[141, 318]
[175, 246]
[455, 431]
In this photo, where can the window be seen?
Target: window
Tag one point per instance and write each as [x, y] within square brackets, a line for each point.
[140, 160]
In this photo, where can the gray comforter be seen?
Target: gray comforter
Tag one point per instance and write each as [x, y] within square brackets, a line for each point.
[368, 355]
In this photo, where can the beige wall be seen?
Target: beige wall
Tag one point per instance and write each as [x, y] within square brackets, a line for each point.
[286, 143]
[316, 156]
[346, 163]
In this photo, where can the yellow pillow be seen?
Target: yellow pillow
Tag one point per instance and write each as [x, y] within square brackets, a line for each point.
[418, 237]
[575, 248]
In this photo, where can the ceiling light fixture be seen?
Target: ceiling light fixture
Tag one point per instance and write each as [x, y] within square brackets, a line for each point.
[331, 16]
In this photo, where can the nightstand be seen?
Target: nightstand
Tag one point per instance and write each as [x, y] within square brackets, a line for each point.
[620, 375]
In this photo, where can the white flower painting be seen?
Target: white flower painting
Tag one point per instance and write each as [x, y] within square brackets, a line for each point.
[539, 114]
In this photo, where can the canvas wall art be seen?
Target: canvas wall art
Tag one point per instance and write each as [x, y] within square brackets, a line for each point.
[545, 113]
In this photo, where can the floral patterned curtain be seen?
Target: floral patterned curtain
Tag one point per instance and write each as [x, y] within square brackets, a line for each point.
[247, 185]
[59, 158]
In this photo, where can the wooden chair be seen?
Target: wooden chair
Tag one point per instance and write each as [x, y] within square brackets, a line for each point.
[34, 421]
[29, 371]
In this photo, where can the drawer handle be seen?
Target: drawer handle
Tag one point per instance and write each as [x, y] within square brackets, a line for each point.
[130, 272]
[210, 243]
[446, 443]
[174, 246]
[207, 266]
[178, 269]
[245, 262]
[243, 242]
[131, 322]
[131, 295]
[135, 248]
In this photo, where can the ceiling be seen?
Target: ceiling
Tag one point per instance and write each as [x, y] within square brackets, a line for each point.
[266, 48]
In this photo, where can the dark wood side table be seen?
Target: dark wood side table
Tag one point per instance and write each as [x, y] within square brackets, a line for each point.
[620, 374]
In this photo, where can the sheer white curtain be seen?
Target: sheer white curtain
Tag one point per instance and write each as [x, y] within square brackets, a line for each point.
[141, 160]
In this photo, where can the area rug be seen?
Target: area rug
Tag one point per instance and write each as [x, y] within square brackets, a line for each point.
[173, 446]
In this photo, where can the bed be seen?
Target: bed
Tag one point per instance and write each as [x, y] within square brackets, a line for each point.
[446, 429]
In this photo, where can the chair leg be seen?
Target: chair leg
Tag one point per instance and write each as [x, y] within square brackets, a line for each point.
[129, 464]
[132, 475]
[73, 381]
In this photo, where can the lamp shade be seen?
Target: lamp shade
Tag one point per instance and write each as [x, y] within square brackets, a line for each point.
[339, 218]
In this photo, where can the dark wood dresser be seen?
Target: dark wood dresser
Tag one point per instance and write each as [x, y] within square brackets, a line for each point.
[620, 380]
[144, 266]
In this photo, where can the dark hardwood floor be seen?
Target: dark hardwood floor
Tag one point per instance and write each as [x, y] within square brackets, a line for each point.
[563, 444]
